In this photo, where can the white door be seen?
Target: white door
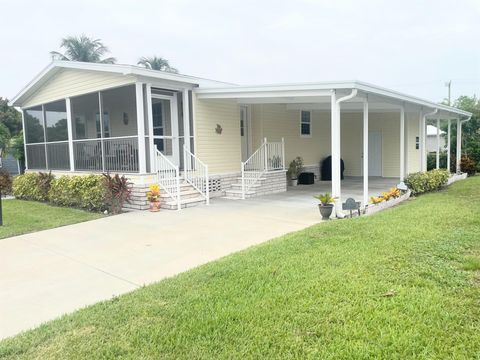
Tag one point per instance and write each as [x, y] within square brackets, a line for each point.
[375, 153]
[244, 132]
[165, 126]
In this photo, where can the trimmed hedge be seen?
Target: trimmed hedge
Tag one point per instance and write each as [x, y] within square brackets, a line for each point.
[86, 192]
[422, 182]
[32, 186]
[89, 192]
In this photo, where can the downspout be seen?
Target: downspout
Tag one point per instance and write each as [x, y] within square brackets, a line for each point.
[424, 140]
[338, 202]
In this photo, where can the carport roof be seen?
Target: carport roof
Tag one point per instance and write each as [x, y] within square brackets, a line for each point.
[319, 89]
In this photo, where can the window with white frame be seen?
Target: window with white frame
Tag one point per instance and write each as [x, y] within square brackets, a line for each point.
[305, 123]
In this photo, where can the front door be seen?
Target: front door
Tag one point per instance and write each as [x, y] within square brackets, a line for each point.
[165, 126]
[375, 153]
[244, 132]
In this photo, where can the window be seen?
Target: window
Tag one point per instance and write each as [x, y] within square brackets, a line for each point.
[106, 124]
[417, 143]
[305, 123]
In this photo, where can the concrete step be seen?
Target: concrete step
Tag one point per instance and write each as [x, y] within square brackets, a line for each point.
[237, 186]
[184, 203]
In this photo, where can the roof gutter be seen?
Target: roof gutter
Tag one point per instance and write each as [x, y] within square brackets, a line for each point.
[348, 97]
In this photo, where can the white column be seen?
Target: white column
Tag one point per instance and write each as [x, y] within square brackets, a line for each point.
[24, 139]
[335, 124]
[437, 163]
[142, 167]
[70, 134]
[151, 145]
[459, 145]
[365, 152]
[448, 144]
[402, 142]
[186, 119]
[424, 143]
[420, 137]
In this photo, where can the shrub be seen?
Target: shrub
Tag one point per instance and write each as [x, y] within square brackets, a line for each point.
[5, 182]
[32, 186]
[86, 192]
[295, 168]
[467, 165]
[421, 182]
[118, 191]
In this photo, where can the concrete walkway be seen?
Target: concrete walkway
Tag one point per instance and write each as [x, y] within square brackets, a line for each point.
[46, 274]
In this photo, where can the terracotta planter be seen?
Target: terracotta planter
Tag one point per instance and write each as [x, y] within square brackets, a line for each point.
[154, 206]
[325, 211]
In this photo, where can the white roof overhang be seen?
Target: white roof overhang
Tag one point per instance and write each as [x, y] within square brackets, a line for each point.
[318, 96]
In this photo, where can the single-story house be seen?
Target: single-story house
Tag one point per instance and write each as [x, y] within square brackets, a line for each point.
[436, 138]
[200, 138]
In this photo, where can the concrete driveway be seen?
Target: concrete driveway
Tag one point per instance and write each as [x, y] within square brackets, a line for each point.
[46, 274]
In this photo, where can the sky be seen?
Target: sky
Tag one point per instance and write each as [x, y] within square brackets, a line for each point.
[412, 46]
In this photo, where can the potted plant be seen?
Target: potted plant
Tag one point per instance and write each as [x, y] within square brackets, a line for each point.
[326, 205]
[294, 170]
[153, 197]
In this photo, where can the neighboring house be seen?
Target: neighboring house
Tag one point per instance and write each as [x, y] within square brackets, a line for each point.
[10, 164]
[185, 132]
[432, 142]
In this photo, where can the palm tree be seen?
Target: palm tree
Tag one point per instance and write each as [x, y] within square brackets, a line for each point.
[82, 48]
[156, 63]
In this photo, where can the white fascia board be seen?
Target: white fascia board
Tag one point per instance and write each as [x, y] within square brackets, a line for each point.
[288, 93]
[34, 81]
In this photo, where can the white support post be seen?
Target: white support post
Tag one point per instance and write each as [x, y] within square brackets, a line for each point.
[365, 153]
[142, 163]
[186, 119]
[448, 144]
[151, 146]
[283, 154]
[207, 185]
[420, 135]
[424, 143]
[335, 125]
[24, 139]
[437, 163]
[402, 142]
[266, 154]
[459, 145]
[70, 134]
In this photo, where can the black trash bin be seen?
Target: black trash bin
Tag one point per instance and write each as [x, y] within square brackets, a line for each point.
[326, 168]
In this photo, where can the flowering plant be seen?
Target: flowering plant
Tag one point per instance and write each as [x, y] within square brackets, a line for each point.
[154, 194]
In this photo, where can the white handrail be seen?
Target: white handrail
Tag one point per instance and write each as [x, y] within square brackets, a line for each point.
[196, 173]
[168, 176]
[270, 156]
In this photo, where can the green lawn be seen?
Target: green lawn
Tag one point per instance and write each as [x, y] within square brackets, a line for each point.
[400, 284]
[20, 217]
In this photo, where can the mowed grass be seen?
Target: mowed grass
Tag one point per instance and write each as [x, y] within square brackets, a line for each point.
[390, 286]
[20, 217]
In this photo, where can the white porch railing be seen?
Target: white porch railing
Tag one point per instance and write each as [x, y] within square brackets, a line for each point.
[196, 173]
[168, 176]
[270, 156]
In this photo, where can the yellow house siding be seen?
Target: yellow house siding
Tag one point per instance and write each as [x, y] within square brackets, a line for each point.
[413, 154]
[222, 152]
[73, 82]
[274, 121]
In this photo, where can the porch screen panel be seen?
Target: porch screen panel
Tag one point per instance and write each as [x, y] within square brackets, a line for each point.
[121, 108]
[87, 149]
[35, 138]
[57, 135]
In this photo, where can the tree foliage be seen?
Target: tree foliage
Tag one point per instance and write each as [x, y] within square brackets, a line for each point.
[10, 117]
[83, 48]
[470, 129]
[156, 63]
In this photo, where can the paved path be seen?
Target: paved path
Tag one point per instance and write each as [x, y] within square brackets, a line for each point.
[46, 274]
